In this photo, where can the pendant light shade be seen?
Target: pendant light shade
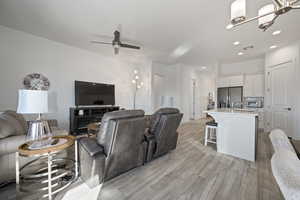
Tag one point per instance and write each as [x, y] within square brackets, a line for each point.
[238, 11]
[267, 21]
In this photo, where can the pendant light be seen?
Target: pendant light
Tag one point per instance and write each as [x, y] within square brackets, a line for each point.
[238, 11]
[266, 15]
[266, 21]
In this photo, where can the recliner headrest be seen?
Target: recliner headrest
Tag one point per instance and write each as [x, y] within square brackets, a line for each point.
[122, 114]
[167, 111]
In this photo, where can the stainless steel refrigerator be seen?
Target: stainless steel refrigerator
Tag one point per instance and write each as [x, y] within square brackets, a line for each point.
[230, 96]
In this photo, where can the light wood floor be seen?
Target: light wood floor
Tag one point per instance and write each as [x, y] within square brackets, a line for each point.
[194, 171]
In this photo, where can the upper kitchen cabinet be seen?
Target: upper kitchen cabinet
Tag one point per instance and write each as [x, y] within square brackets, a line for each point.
[254, 85]
[231, 81]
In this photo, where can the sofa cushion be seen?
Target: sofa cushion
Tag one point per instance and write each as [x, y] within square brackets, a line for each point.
[10, 126]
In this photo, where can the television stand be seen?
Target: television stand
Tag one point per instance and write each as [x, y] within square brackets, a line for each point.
[81, 117]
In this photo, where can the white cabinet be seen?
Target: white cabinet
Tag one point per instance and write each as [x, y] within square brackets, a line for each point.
[254, 85]
[236, 81]
[223, 82]
[231, 81]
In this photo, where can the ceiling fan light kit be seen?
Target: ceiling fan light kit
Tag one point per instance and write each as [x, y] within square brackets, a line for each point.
[266, 21]
[238, 11]
[266, 15]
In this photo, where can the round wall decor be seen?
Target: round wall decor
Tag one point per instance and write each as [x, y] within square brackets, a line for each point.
[36, 81]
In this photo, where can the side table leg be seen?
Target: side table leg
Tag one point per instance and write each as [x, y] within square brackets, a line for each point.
[17, 172]
[76, 159]
[49, 177]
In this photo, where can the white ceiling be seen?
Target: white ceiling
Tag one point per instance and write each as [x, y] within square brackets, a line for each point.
[161, 26]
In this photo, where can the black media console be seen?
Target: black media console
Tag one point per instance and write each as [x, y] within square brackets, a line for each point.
[80, 117]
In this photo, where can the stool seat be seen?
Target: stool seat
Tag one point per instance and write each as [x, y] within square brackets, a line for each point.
[211, 123]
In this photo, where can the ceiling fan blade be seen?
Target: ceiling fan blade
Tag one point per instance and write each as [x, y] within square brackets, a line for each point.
[103, 37]
[129, 46]
[97, 42]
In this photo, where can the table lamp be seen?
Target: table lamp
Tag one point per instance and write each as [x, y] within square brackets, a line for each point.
[35, 102]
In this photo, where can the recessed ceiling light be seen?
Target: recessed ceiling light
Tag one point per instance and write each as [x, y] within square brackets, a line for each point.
[276, 32]
[203, 67]
[240, 53]
[273, 47]
[236, 43]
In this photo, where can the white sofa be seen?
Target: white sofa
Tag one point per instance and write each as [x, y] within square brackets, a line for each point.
[285, 165]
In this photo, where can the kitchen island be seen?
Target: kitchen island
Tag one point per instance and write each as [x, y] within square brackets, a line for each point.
[237, 132]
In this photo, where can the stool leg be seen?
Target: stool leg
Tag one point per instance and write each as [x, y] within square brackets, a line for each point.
[206, 136]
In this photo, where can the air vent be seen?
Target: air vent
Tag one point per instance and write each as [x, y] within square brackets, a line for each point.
[248, 47]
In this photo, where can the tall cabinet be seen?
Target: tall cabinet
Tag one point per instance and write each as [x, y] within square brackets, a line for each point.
[254, 85]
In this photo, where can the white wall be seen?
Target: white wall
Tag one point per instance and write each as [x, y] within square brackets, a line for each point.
[206, 85]
[289, 53]
[255, 66]
[171, 76]
[22, 53]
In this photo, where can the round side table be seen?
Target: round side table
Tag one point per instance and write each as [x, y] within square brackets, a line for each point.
[47, 173]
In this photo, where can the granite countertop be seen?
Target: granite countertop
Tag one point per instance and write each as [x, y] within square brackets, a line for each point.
[234, 111]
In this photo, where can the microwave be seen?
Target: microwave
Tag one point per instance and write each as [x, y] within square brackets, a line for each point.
[254, 102]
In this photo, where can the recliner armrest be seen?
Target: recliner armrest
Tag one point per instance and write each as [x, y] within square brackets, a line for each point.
[151, 146]
[11, 144]
[91, 146]
[148, 136]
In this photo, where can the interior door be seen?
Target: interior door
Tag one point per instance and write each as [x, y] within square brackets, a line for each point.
[280, 98]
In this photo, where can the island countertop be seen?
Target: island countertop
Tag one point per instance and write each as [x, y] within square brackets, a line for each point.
[243, 112]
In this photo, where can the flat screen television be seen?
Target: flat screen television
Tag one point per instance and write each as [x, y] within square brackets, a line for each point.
[88, 94]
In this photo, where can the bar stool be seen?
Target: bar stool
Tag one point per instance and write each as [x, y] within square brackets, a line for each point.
[210, 133]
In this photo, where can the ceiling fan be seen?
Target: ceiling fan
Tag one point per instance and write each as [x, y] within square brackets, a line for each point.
[116, 43]
[266, 15]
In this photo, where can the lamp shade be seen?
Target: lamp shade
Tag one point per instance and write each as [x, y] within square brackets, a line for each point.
[266, 21]
[33, 102]
[238, 11]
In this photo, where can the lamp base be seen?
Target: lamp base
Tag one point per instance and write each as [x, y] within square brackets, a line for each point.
[38, 130]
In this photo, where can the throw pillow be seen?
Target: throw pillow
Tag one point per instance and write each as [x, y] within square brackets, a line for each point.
[15, 127]
[6, 129]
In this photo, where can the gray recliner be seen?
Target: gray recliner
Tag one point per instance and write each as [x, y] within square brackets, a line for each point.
[118, 147]
[162, 132]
